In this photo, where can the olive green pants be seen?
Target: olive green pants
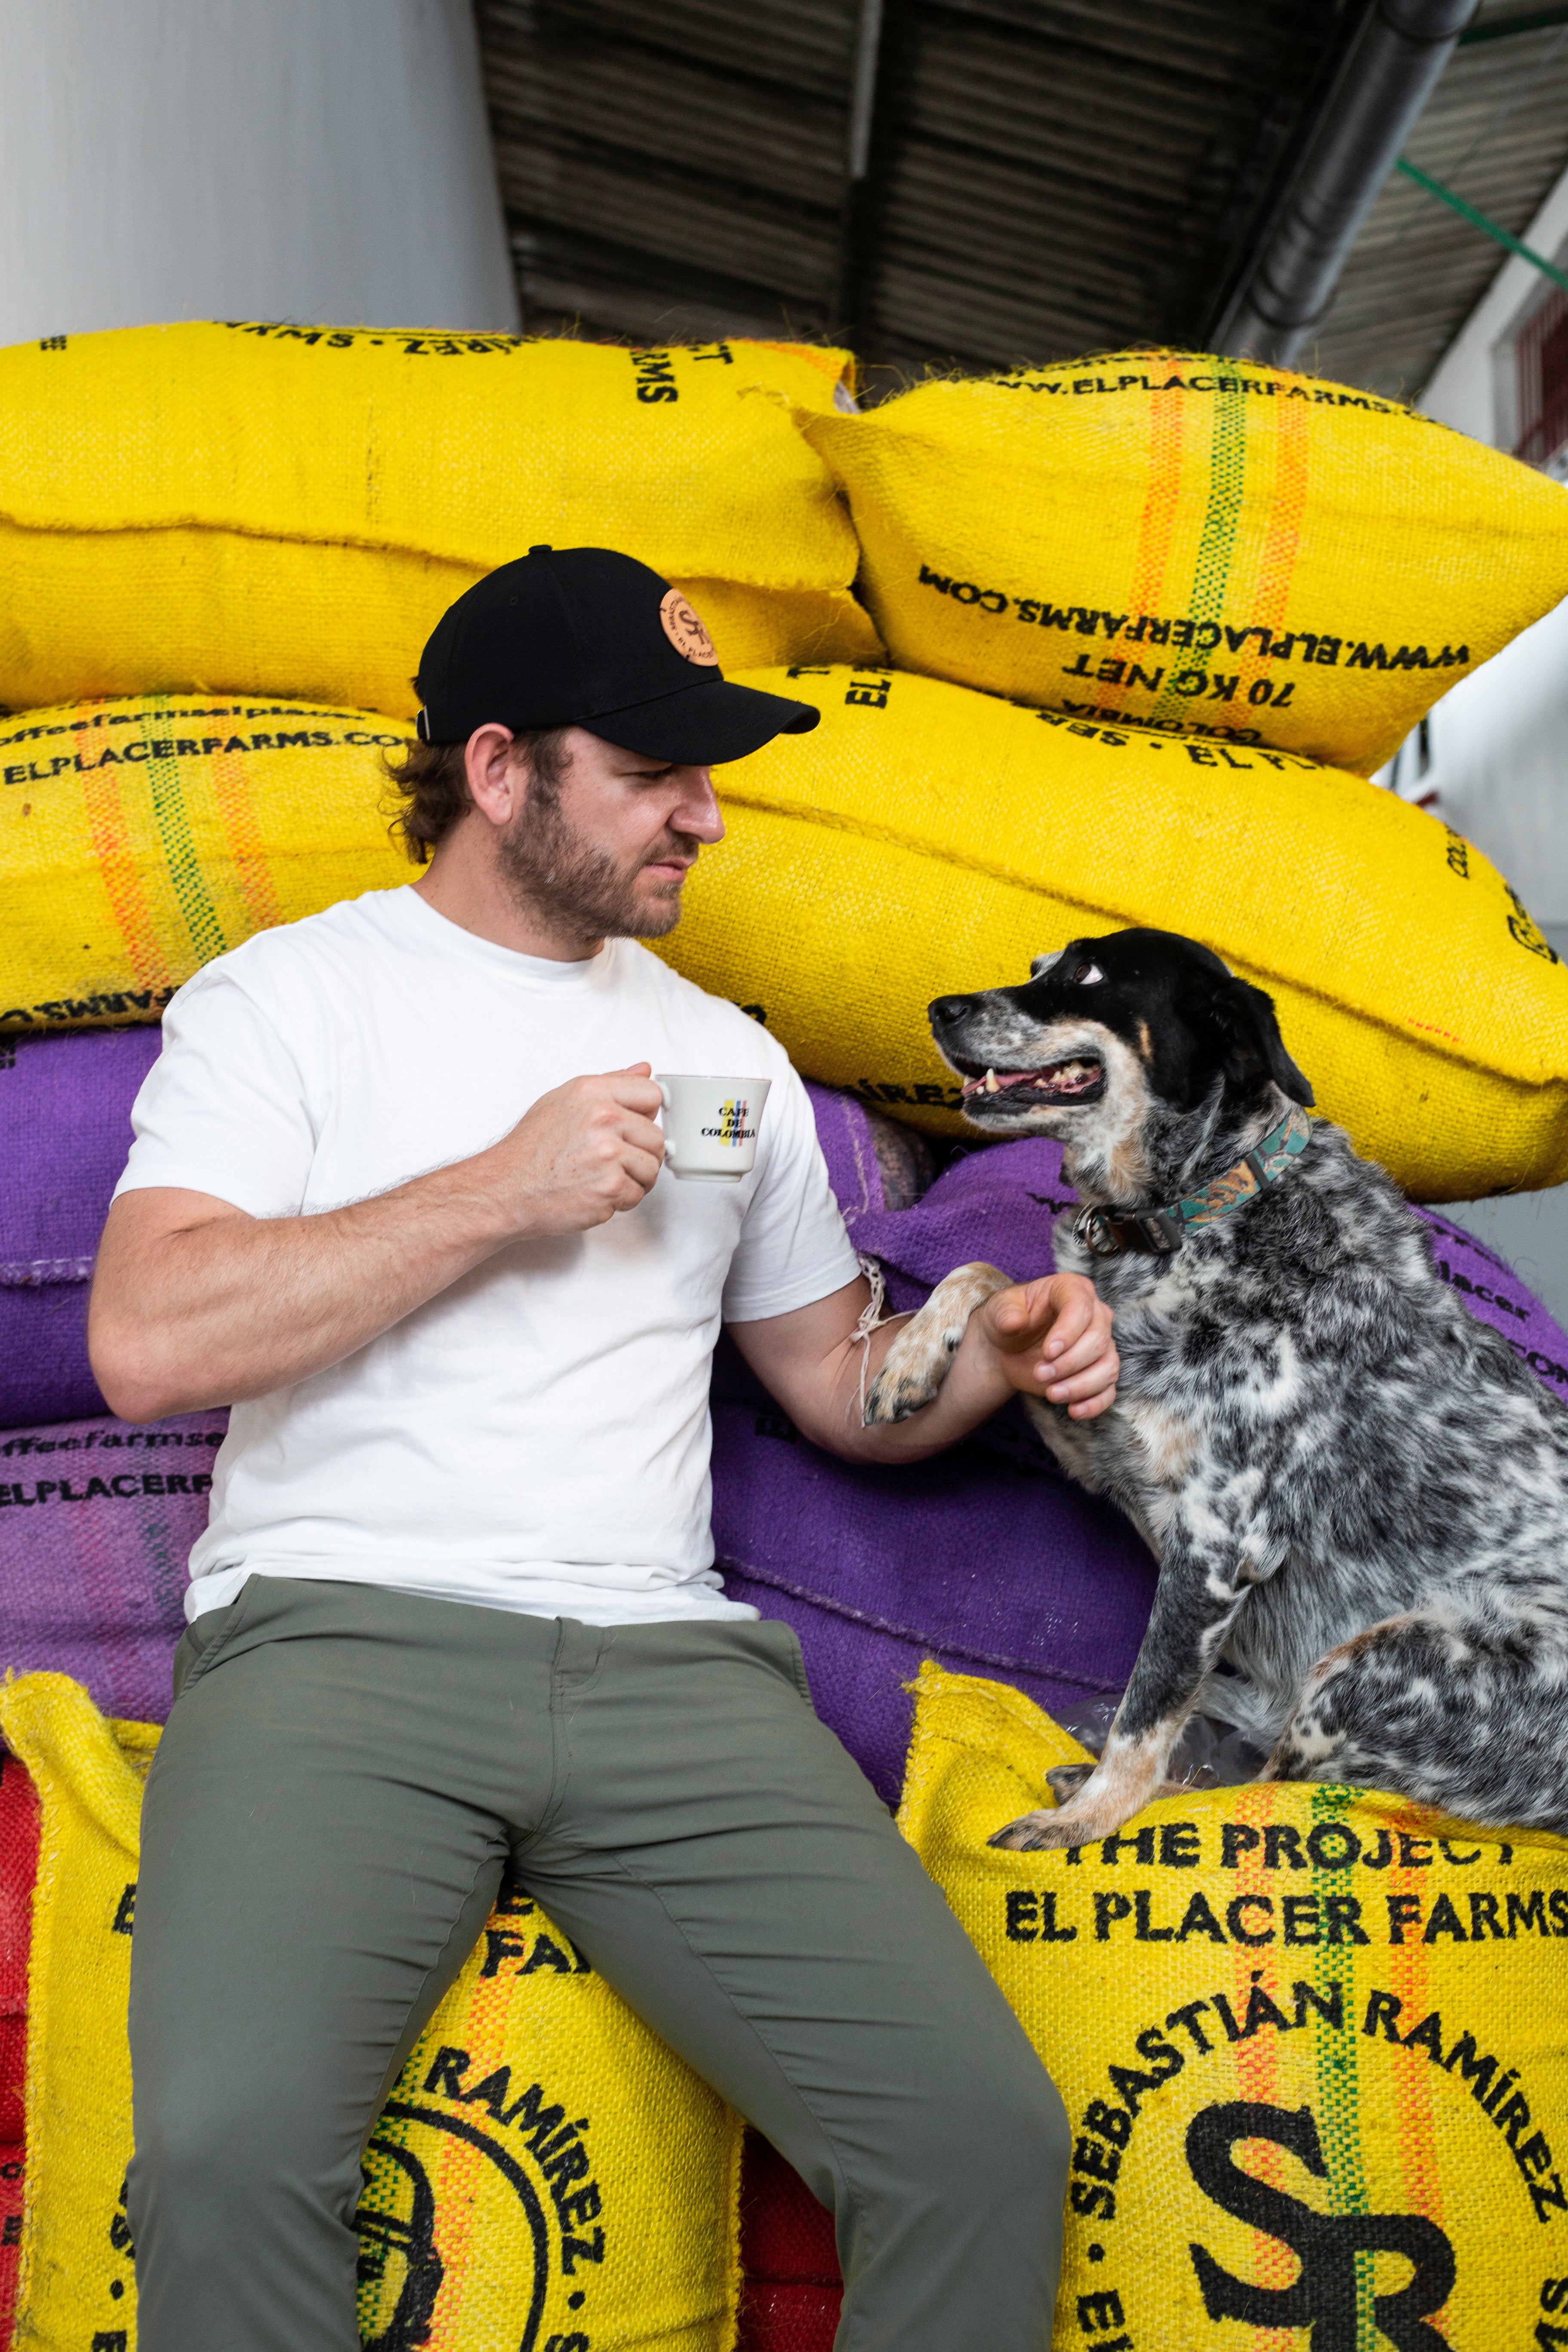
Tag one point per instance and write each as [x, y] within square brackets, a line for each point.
[347, 1770]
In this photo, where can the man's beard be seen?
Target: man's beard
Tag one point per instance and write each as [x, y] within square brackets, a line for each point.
[551, 869]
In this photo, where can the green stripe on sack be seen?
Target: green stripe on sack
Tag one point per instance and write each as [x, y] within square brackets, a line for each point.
[180, 859]
[1216, 543]
[1339, 2104]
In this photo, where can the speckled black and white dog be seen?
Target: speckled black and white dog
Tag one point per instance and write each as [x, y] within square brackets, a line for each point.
[1358, 1495]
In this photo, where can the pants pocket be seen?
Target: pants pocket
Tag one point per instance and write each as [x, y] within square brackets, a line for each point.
[205, 1640]
[783, 1645]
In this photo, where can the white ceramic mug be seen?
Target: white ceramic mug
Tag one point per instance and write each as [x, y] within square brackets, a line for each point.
[710, 1126]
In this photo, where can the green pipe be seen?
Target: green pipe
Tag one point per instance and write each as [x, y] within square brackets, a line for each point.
[1478, 220]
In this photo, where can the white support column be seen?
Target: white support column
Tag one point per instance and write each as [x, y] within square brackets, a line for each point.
[321, 159]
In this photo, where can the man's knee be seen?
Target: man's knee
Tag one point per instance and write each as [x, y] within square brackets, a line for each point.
[224, 2146]
[993, 2134]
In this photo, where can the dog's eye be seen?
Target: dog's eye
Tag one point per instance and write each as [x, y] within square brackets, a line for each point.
[1086, 974]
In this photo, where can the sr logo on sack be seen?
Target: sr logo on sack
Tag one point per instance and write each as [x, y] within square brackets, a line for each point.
[1324, 2298]
[465, 2165]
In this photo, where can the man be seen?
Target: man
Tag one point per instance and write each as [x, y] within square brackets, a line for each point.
[456, 1607]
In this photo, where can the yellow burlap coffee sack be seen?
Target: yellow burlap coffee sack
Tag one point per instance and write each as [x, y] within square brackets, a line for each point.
[1202, 544]
[545, 2171]
[141, 838]
[1312, 2041]
[924, 840]
[77, 2286]
[289, 510]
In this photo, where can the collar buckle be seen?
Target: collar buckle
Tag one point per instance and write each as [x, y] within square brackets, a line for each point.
[1152, 1232]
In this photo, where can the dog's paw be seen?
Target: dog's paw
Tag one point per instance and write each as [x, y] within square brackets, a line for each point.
[1097, 1805]
[914, 1370]
[917, 1363]
[1031, 1833]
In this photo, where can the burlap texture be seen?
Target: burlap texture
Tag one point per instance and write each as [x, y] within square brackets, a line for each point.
[1205, 544]
[97, 1521]
[77, 2281]
[544, 2172]
[141, 838]
[280, 509]
[1313, 2042]
[925, 840]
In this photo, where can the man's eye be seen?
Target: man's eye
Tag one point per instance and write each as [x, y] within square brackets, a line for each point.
[1088, 973]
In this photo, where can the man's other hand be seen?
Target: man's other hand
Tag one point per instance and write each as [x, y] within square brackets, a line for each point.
[1052, 1340]
[578, 1155]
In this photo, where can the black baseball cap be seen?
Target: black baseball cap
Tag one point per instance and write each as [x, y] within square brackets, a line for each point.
[582, 636]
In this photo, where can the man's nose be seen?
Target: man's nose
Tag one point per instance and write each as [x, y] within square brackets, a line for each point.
[946, 1010]
[698, 813]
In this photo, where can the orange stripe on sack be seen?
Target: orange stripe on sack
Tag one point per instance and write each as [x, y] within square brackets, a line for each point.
[1157, 524]
[117, 862]
[1292, 425]
[460, 2166]
[1409, 1980]
[1257, 2059]
[252, 874]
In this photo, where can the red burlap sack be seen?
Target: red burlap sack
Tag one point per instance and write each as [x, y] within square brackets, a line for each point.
[19, 1867]
[790, 2293]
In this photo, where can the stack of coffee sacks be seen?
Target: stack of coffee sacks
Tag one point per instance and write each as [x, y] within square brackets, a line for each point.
[1158, 618]
[220, 550]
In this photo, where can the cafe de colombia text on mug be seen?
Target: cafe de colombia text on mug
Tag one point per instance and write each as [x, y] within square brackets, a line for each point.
[710, 1126]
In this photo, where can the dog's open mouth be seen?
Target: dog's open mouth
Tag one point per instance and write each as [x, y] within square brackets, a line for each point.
[1078, 1078]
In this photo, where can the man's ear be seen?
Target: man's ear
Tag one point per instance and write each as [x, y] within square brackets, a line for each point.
[1249, 1033]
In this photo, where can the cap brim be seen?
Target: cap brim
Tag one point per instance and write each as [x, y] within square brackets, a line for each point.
[703, 724]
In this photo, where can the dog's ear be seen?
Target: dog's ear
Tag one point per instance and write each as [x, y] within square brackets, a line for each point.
[1249, 1034]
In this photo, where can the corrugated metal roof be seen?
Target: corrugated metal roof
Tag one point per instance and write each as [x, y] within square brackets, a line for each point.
[1046, 176]
[1496, 131]
[1043, 179]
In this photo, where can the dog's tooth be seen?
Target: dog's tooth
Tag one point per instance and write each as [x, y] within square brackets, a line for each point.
[992, 1085]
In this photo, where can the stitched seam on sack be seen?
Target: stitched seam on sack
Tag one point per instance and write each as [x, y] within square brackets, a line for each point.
[727, 1565]
[22, 1274]
[777, 584]
[1425, 1041]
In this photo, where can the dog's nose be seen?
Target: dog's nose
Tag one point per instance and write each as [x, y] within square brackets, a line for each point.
[946, 1010]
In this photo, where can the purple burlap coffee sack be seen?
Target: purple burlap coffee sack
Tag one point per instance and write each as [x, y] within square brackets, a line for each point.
[96, 1520]
[65, 1131]
[994, 1566]
[1492, 1291]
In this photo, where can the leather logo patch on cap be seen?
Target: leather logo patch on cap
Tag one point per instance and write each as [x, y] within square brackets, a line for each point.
[684, 628]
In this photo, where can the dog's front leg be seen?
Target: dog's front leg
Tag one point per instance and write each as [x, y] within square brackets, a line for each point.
[1204, 1580]
[918, 1361]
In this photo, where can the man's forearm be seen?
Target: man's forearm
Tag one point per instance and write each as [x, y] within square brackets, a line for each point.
[973, 1389]
[230, 1307]
[1051, 1337]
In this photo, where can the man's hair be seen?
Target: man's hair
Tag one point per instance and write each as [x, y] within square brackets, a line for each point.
[432, 786]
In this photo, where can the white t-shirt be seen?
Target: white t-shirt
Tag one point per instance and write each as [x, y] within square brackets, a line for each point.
[536, 1437]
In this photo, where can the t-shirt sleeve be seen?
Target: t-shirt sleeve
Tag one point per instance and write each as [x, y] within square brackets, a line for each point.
[793, 1247]
[222, 1108]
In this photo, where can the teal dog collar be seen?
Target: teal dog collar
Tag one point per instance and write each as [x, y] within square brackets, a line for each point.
[1160, 1233]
